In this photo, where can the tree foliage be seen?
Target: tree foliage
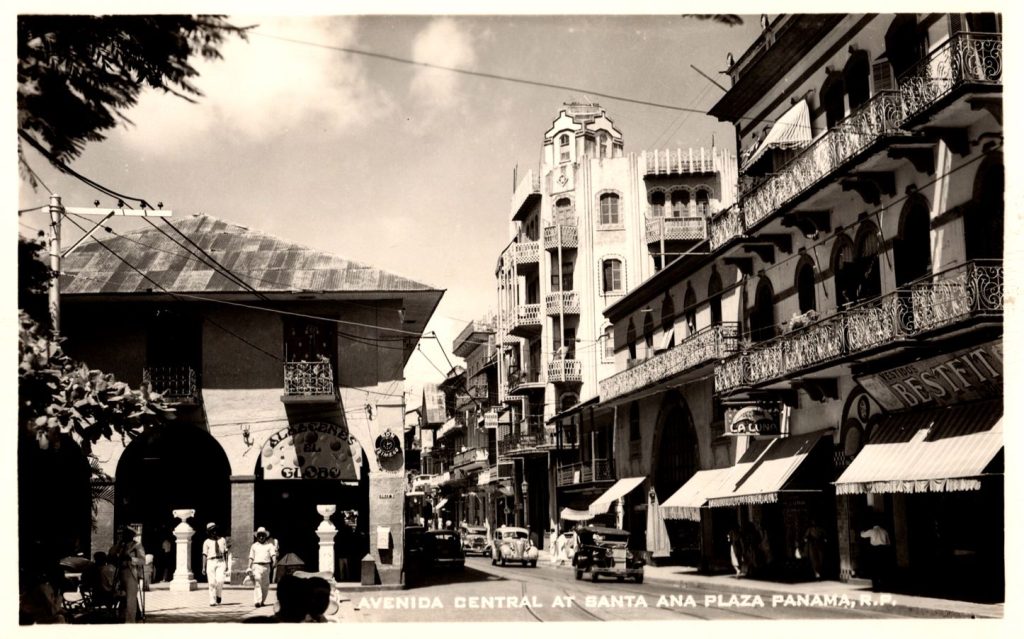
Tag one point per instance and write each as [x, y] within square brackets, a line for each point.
[77, 75]
[728, 19]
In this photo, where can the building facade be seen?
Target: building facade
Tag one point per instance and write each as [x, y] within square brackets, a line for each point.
[285, 365]
[856, 287]
[589, 225]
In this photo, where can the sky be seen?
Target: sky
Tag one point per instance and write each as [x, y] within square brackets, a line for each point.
[401, 167]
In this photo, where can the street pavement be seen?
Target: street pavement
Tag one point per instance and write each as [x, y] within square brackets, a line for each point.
[482, 592]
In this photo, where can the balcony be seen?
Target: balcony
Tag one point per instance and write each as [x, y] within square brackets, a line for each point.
[725, 226]
[177, 384]
[585, 472]
[532, 438]
[679, 161]
[565, 371]
[707, 345]
[526, 321]
[524, 381]
[953, 296]
[966, 63]
[670, 229]
[470, 460]
[526, 253]
[527, 194]
[951, 299]
[564, 235]
[564, 302]
[309, 381]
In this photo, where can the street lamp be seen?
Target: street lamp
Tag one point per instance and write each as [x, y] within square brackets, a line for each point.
[526, 504]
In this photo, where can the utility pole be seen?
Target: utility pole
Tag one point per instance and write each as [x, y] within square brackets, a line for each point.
[57, 211]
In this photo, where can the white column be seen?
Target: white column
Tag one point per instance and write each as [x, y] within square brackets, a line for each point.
[326, 531]
[183, 580]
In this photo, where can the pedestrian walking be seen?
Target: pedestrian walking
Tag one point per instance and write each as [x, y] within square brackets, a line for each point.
[166, 559]
[878, 555]
[262, 557]
[129, 557]
[814, 547]
[214, 562]
[736, 554]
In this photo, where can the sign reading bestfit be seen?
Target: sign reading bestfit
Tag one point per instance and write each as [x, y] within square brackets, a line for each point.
[760, 418]
[312, 450]
[971, 373]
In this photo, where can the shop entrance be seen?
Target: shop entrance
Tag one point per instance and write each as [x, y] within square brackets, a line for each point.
[677, 459]
[170, 467]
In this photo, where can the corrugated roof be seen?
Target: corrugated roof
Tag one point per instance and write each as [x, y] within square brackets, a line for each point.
[266, 263]
[931, 451]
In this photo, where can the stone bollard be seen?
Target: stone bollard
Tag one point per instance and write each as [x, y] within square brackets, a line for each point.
[183, 580]
[326, 531]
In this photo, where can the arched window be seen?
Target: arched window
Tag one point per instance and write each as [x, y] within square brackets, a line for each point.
[648, 335]
[805, 285]
[690, 310]
[983, 224]
[869, 245]
[603, 148]
[611, 276]
[634, 422]
[912, 251]
[563, 211]
[762, 316]
[680, 203]
[668, 313]
[831, 96]
[631, 340]
[609, 209]
[703, 204]
[856, 77]
[905, 43]
[563, 147]
[715, 297]
[609, 342]
[657, 200]
[567, 401]
[843, 271]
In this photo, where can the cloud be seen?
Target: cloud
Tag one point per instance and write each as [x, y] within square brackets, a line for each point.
[441, 42]
[266, 87]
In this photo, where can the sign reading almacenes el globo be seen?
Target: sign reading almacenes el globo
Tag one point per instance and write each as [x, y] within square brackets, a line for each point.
[971, 373]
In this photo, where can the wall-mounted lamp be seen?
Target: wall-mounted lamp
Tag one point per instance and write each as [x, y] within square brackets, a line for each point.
[247, 435]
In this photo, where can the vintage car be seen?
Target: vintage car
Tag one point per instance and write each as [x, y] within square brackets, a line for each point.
[443, 548]
[604, 551]
[474, 540]
[513, 544]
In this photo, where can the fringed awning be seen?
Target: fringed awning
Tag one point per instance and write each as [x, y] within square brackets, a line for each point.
[618, 489]
[772, 474]
[686, 502]
[570, 514]
[939, 450]
[792, 130]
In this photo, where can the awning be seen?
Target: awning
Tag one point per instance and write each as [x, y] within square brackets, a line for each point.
[685, 503]
[940, 450]
[618, 489]
[792, 130]
[569, 514]
[772, 473]
[448, 426]
[439, 505]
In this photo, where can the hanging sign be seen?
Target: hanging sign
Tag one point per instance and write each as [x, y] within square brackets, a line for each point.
[761, 418]
[388, 445]
[312, 450]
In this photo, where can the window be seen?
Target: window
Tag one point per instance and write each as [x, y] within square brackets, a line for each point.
[609, 343]
[855, 76]
[703, 204]
[762, 316]
[680, 203]
[566, 282]
[715, 298]
[881, 75]
[657, 200]
[831, 96]
[610, 209]
[984, 224]
[805, 285]
[869, 245]
[634, 422]
[690, 310]
[570, 341]
[631, 340]
[603, 147]
[563, 148]
[905, 43]
[912, 249]
[563, 211]
[567, 401]
[648, 335]
[843, 271]
[668, 315]
[611, 276]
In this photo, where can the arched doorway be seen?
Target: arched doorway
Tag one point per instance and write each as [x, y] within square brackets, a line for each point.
[983, 232]
[676, 459]
[169, 467]
[301, 467]
[912, 250]
[762, 316]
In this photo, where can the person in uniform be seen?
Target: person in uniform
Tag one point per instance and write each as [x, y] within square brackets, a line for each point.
[129, 557]
[214, 562]
[262, 557]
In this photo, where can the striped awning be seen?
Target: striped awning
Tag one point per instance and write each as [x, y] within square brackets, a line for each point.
[771, 473]
[792, 130]
[939, 450]
[618, 489]
[685, 503]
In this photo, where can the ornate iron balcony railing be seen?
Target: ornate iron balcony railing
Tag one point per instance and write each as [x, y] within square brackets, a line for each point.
[175, 383]
[951, 296]
[725, 226]
[879, 322]
[303, 379]
[584, 472]
[964, 59]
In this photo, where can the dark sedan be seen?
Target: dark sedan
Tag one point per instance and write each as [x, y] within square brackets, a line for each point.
[443, 548]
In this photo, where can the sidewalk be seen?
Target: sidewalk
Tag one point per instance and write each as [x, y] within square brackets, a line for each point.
[684, 576]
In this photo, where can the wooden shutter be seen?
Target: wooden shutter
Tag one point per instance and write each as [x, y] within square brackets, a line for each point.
[881, 75]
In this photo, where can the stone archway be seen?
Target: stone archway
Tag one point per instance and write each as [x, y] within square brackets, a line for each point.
[168, 467]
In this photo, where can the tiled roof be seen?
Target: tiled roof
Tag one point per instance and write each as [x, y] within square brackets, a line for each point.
[264, 262]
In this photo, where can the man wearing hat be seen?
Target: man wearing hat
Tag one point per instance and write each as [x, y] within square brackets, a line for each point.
[262, 557]
[215, 550]
[129, 557]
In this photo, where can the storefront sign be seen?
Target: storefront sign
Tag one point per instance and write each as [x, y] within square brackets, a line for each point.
[312, 450]
[433, 404]
[388, 445]
[761, 418]
[971, 373]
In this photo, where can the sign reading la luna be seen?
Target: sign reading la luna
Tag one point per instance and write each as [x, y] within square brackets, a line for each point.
[312, 450]
[762, 418]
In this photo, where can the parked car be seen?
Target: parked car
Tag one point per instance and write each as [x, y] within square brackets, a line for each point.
[604, 551]
[474, 540]
[513, 544]
[443, 548]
